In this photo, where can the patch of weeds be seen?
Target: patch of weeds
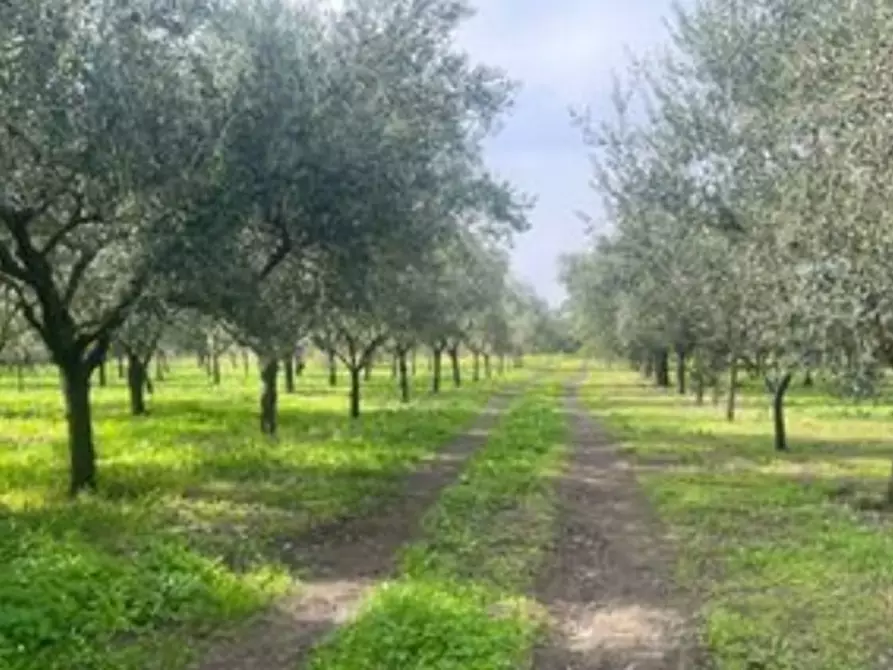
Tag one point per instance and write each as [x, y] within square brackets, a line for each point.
[459, 601]
[790, 578]
[416, 624]
[190, 531]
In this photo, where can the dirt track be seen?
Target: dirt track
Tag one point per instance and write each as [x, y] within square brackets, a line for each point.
[342, 560]
[607, 584]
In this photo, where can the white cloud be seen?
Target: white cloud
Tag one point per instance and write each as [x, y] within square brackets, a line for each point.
[564, 52]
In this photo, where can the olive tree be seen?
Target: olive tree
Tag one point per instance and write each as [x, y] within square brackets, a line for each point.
[107, 121]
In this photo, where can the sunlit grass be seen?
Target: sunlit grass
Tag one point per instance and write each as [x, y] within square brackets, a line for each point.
[791, 575]
[191, 527]
[459, 600]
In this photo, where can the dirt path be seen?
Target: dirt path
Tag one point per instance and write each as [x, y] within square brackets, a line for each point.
[607, 584]
[342, 560]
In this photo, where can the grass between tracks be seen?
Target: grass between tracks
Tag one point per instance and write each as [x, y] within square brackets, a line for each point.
[459, 601]
[191, 527]
[794, 572]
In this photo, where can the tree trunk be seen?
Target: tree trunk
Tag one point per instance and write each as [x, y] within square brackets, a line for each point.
[367, 370]
[120, 358]
[699, 387]
[215, 369]
[394, 365]
[333, 368]
[159, 366]
[435, 370]
[289, 374]
[889, 497]
[413, 361]
[733, 390]
[269, 397]
[136, 382]
[778, 395]
[404, 376]
[355, 391]
[808, 381]
[103, 378]
[76, 386]
[649, 367]
[487, 370]
[476, 370]
[680, 371]
[662, 368]
[454, 362]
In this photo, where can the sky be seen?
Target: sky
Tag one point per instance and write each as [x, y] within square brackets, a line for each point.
[563, 52]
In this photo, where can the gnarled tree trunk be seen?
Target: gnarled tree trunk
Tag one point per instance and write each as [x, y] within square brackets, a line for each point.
[404, 376]
[76, 387]
[269, 397]
[454, 362]
[476, 369]
[733, 390]
[215, 369]
[355, 391]
[680, 370]
[779, 389]
[136, 383]
[436, 356]
[487, 369]
[289, 374]
[333, 368]
[699, 387]
[662, 368]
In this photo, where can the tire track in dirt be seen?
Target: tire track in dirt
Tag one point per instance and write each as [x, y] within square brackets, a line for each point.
[607, 584]
[340, 561]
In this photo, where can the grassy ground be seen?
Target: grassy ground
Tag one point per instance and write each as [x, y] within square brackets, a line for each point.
[792, 573]
[459, 602]
[192, 526]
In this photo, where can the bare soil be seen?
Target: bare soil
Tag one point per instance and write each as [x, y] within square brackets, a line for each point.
[342, 560]
[608, 584]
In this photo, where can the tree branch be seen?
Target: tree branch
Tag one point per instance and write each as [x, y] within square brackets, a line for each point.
[81, 265]
[10, 266]
[116, 315]
[77, 219]
[98, 351]
[369, 350]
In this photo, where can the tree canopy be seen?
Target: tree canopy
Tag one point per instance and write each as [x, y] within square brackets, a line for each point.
[272, 171]
[743, 176]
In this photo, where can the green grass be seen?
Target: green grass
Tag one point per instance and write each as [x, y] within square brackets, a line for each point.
[459, 602]
[190, 531]
[791, 575]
